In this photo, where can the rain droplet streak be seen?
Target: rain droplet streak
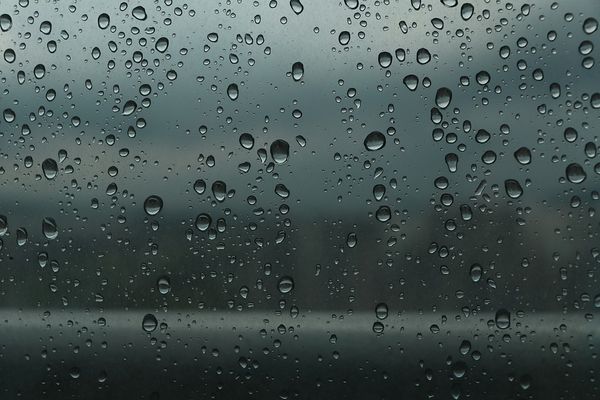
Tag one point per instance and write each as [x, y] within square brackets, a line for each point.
[280, 151]
[152, 205]
[49, 168]
[149, 323]
[374, 141]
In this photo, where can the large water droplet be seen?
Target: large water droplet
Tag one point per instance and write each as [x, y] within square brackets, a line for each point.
[139, 13]
[297, 7]
[153, 204]
[575, 173]
[443, 97]
[164, 285]
[162, 44]
[411, 82]
[129, 107]
[203, 222]
[385, 59]
[513, 188]
[285, 284]
[22, 236]
[523, 155]
[103, 21]
[280, 151]
[476, 272]
[233, 91]
[219, 189]
[149, 323]
[49, 168]
[5, 22]
[297, 71]
[502, 319]
[351, 4]
[423, 56]
[344, 38]
[383, 214]
[381, 311]
[246, 141]
[590, 25]
[49, 228]
[374, 141]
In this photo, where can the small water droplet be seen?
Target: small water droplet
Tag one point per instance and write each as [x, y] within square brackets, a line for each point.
[297, 71]
[381, 311]
[164, 285]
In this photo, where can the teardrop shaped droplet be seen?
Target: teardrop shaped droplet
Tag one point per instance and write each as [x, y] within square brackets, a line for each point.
[49, 228]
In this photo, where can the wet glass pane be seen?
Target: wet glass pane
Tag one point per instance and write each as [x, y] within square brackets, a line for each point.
[273, 199]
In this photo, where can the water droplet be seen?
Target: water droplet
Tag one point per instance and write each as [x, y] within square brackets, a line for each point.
[9, 115]
[570, 134]
[129, 107]
[162, 44]
[344, 38]
[378, 192]
[164, 285]
[22, 236]
[378, 327]
[374, 141]
[590, 25]
[383, 214]
[285, 284]
[46, 27]
[449, 3]
[9, 56]
[280, 151]
[476, 272]
[443, 97]
[282, 191]
[297, 71]
[523, 155]
[482, 77]
[423, 56]
[297, 7]
[385, 59]
[219, 189]
[351, 4]
[153, 204]
[513, 188]
[411, 82]
[213, 37]
[502, 319]
[381, 311]
[49, 168]
[49, 228]
[139, 13]
[149, 323]
[5, 22]
[465, 347]
[233, 91]
[466, 11]
[103, 21]
[203, 222]
[575, 173]
[3, 225]
[437, 23]
[39, 71]
[351, 240]
[246, 141]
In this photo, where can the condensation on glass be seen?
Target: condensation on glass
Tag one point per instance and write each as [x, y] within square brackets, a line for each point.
[299, 199]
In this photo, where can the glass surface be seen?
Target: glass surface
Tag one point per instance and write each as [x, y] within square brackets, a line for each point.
[299, 199]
